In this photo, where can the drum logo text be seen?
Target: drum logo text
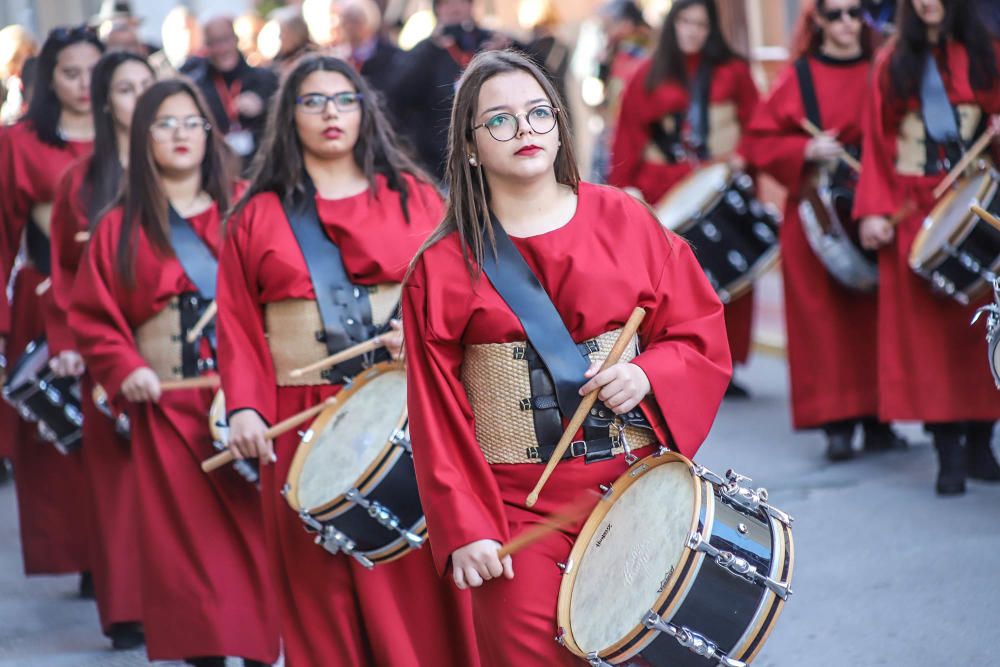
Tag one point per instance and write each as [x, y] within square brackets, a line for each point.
[636, 560]
[603, 535]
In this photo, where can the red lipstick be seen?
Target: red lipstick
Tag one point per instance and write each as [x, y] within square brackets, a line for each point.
[529, 150]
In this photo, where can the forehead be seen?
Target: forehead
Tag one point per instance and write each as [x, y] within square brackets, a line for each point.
[81, 53]
[180, 104]
[131, 70]
[325, 82]
[841, 4]
[512, 90]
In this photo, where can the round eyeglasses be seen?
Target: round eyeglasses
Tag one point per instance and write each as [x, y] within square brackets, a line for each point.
[316, 102]
[504, 126]
[163, 129]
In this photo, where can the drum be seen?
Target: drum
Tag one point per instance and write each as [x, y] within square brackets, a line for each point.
[734, 235]
[825, 214]
[956, 250]
[38, 396]
[352, 479]
[992, 312]
[103, 404]
[676, 565]
[218, 426]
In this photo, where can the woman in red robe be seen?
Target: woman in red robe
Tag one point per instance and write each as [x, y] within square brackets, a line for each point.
[205, 591]
[830, 327]
[658, 96]
[86, 189]
[931, 365]
[473, 483]
[377, 208]
[58, 129]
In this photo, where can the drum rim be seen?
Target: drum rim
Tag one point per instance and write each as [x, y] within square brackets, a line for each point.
[319, 423]
[782, 542]
[686, 567]
[919, 259]
[706, 206]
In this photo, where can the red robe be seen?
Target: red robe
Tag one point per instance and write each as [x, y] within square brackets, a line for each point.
[107, 456]
[932, 363]
[831, 329]
[51, 487]
[201, 551]
[640, 108]
[334, 611]
[596, 273]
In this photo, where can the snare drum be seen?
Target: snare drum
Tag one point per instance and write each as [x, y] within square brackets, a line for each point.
[103, 404]
[676, 565]
[218, 426]
[956, 250]
[38, 396]
[352, 479]
[734, 235]
[992, 312]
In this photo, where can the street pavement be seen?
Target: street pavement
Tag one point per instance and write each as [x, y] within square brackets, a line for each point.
[886, 573]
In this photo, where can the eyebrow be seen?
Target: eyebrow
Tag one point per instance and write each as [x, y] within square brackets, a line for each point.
[504, 106]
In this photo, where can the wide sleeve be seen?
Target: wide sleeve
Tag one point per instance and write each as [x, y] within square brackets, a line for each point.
[631, 131]
[458, 492]
[685, 349]
[774, 142]
[65, 255]
[877, 193]
[245, 362]
[14, 208]
[102, 331]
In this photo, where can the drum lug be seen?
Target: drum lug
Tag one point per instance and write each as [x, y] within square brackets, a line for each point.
[384, 516]
[689, 639]
[754, 500]
[595, 661]
[285, 490]
[400, 439]
[333, 540]
[566, 567]
[607, 490]
[737, 566]
[560, 636]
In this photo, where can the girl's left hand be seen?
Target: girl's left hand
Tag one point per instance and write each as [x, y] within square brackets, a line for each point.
[623, 386]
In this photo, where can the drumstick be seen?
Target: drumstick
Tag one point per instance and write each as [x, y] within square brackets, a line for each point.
[202, 322]
[986, 215]
[977, 148]
[200, 382]
[340, 357]
[43, 287]
[81, 237]
[566, 515]
[844, 156]
[628, 331]
[282, 427]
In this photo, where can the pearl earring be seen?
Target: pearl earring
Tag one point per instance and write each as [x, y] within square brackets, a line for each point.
[473, 161]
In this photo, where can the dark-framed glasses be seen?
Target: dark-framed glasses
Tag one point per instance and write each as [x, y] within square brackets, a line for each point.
[504, 126]
[316, 102]
[832, 15]
[163, 129]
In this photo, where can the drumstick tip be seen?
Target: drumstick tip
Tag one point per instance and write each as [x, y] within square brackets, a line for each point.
[531, 499]
[295, 373]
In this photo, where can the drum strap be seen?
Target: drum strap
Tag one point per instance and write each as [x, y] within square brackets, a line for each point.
[697, 113]
[668, 143]
[808, 91]
[198, 262]
[38, 247]
[938, 114]
[344, 307]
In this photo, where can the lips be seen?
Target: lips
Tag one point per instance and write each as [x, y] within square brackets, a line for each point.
[528, 151]
[182, 150]
[333, 133]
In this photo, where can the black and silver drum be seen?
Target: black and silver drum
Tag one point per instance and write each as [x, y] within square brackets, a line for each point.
[676, 567]
[103, 404]
[38, 396]
[992, 312]
[352, 479]
[734, 235]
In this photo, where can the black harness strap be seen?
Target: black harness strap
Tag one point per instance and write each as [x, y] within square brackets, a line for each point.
[38, 247]
[697, 113]
[807, 89]
[201, 266]
[940, 123]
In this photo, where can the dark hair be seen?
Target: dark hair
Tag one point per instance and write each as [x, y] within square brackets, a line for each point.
[102, 181]
[668, 59]
[145, 203]
[45, 107]
[279, 167]
[807, 36]
[468, 192]
[909, 52]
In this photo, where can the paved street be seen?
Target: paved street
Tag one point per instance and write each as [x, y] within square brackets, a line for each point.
[886, 573]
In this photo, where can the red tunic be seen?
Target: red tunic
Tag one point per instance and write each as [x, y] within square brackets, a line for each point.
[831, 329]
[107, 457]
[640, 109]
[596, 273]
[201, 551]
[51, 487]
[932, 364]
[334, 611]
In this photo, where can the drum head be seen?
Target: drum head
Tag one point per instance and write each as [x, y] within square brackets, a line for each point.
[348, 437]
[631, 556]
[950, 217]
[692, 196]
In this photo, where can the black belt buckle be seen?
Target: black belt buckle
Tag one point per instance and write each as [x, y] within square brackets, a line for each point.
[576, 449]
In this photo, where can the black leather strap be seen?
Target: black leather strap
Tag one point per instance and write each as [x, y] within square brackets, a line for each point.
[193, 253]
[697, 113]
[938, 113]
[38, 247]
[344, 307]
[669, 144]
[192, 307]
[807, 89]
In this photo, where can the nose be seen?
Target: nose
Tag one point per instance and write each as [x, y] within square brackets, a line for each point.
[523, 126]
[330, 110]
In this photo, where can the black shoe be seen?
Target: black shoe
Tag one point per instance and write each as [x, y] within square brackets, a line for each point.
[951, 471]
[126, 636]
[982, 465]
[737, 391]
[839, 446]
[212, 661]
[86, 586]
[880, 437]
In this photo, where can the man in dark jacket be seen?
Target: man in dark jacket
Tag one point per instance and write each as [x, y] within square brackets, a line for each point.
[372, 55]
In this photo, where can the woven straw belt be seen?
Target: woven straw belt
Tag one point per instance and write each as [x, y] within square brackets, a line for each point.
[496, 380]
[160, 343]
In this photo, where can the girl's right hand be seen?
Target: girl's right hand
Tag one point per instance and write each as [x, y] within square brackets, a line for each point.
[141, 385]
[246, 437]
[875, 232]
[478, 562]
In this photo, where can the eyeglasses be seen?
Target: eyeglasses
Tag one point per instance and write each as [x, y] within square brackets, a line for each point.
[504, 126]
[316, 102]
[832, 15]
[73, 33]
[163, 129]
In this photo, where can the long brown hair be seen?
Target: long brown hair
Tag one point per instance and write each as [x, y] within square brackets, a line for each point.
[468, 193]
[807, 37]
[144, 200]
[279, 166]
[667, 62]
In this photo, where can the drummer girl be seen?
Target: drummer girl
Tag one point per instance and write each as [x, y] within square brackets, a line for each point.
[141, 285]
[687, 104]
[931, 366]
[477, 437]
[58, 129]
[88, 187]
[830, 327]
[327, 145]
